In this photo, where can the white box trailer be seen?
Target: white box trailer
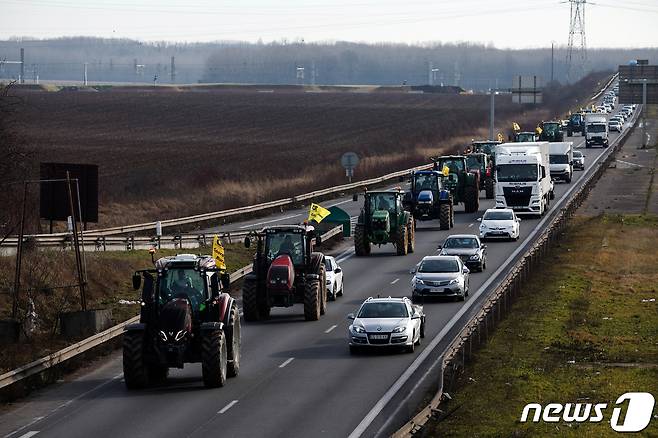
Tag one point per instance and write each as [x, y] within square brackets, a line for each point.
[523, 181]
[561, 160]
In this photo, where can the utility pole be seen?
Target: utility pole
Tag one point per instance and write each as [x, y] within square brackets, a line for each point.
[552, 60]
[313, 73]
[22, 65]
[644, 113]
[577, 56]
[85, 77]
[19, 257]
[173, 70]
[491, 114]
[76, 244]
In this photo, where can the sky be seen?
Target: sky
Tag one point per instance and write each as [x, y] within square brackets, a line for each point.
[501, 23]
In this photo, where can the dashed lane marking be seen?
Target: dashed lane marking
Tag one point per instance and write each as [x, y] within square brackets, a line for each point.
[331, 328]
[286, 362]
[395, 281]
[227, 407]
[29, 434]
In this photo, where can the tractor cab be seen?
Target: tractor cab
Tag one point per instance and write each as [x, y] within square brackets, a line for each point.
[485, 147]
[551, 131]
[456, 165]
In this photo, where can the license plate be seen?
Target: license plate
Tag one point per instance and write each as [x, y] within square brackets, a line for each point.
[378, 336]
[436, 290]
[497, 232]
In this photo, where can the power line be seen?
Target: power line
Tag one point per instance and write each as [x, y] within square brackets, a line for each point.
[577, 57]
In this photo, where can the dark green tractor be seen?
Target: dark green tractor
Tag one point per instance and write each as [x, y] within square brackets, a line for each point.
[383, 220]
[486, 147]
[482, 163]
[551, 131]
[464, 185]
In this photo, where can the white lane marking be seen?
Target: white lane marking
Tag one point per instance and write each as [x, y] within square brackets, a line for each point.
[395, 281]
[269, 222]
[331, 328]
[629, 164]
[343, 254]
[29, 434]
[35, 420]
[286, 362]
[395, 388]
[227, 407]
[470, 225]
[339, 203]
[349, 253]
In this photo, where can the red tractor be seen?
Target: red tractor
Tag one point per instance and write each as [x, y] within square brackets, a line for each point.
[286, 271]
[186, 316]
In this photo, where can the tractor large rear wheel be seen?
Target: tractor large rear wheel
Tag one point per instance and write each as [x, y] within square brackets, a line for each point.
[445, 212]
[323, 290]
[233, 341]
[401, 239]
[250, 300]
[361, 242]
[312, 300]
[412, 235]
[489, 188]
[471, 200]
[214, 358]
[135, 371]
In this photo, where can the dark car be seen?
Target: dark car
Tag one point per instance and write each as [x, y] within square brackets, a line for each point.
[468, 248]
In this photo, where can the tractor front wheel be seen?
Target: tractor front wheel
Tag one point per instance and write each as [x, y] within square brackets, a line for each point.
[214, 358]
[402, 240]
[135, 371]
[233, 341]
[250, 300]
[489, 188]
[445, 212]
[361, 242]
[471, 200]
[312, 300]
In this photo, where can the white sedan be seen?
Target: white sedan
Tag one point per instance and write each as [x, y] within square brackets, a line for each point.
[334, 278]
[501, 222]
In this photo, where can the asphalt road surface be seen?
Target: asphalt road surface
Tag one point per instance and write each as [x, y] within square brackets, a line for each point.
[297, 378]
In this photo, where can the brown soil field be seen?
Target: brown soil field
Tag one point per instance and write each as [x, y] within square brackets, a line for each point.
[166, 152]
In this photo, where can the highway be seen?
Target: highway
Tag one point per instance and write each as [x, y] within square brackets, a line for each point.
[297, 378]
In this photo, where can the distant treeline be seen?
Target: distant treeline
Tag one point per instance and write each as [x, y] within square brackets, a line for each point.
[470, 66]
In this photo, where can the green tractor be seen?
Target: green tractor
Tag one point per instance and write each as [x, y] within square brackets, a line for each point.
[383, 220]
[464, 184]
[486, 147]
[551, 131]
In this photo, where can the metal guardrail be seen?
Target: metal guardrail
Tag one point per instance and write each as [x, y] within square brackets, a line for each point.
[477, 329]
[87, 344]
[113, 231]
[605, 87]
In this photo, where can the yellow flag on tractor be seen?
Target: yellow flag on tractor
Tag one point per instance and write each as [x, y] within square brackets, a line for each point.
[500, 137]
[218, 252]
[516, 127]
[317, 213]
[445, 171]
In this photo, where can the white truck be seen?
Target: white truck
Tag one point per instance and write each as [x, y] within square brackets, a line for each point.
[523, 181]
[561, 160]
[596, 130]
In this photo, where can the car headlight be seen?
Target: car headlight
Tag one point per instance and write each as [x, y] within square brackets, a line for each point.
[358, 329]
[474, 257]
[400, 329]
[454, 281]
[419, 281]
[483, 225]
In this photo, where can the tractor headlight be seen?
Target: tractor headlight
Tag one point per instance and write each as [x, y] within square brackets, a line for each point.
[163, 336]
[358, 329]
[400, 329]
[180, 335]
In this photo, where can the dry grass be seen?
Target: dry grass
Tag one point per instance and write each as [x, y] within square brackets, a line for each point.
[584, 306]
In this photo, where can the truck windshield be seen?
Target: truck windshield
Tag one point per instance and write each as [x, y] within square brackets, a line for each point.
[516, 172]
[596, 128]
[558, 159]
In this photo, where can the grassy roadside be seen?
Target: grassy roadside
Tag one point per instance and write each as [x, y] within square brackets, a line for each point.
[110, 287]
[585, 330]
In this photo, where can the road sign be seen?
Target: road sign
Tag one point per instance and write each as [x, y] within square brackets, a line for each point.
[349, 160]
[526, 89]
[637, 79]
[54, 198]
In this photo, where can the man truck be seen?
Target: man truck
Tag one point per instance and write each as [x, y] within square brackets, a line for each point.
[523, 181]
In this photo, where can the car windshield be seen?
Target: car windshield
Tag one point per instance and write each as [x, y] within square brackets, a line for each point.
[461, 242]
[596, 128]
[426, 182]
[438, 265]
[558, 159]
[181, 283]
[577, 154]
[383, 310]
[328, 266]
[285, 242]
[382, 201]
[498, 216]
[516, 172]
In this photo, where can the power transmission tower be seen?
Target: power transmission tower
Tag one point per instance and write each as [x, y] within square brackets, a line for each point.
[577, 57]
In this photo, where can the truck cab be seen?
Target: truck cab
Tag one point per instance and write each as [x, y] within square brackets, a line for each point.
[596, 130]
[561, 161]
